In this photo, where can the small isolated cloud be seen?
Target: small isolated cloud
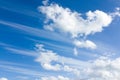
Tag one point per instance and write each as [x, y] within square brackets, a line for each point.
[45, 2]
[75, 51]
[116, 13]
[3, 78]
[85, 44]
[55, 78]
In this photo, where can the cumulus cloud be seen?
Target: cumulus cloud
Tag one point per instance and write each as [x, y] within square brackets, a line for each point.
[55, 78]
[102, 68]
[51, 61]
[46, 58]
[71, 22]
[3, 78]
[66, 21]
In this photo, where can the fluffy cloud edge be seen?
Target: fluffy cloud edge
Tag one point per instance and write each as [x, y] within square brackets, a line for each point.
[3, 78]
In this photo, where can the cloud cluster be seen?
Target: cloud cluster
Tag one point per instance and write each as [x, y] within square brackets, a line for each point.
[3, 78]
[72, 23]
[55, 78]
[65, 20]
[51, 61]
[102, 68]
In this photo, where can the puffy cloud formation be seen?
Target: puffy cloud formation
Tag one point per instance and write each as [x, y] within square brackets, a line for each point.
[65, 20]
[48, 57]
[55, 78]
[3, 78]
[72, 23]
[102, 68]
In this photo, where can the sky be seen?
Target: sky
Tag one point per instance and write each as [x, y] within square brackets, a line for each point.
[59, 40]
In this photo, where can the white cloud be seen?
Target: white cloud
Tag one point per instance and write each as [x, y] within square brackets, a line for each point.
[69, 69]
[55, 78]
[116, 13]
[85, 44]
[3, 78]
[65, 20]
[45, 2]
[75, 51]
[35, 31]
[70, 22]
[47, 57]
[102, 68]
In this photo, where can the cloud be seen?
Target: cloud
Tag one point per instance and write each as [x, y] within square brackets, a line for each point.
[22, 70]
[51, 61]
[116, 13]
[75, 51]
[46, 57]
[35, 31]
[21, 51]
[3, 78]
[101, 68]
[85, 44]
[72, 22]
[55, 78]
[45, 2]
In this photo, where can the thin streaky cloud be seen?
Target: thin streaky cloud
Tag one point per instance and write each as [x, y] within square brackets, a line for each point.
[54, 46]
[17, 50]
[25, 12]
[20, 70]
[36, 32]
[22, 52]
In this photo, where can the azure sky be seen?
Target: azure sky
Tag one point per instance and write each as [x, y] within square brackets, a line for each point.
[59, 40]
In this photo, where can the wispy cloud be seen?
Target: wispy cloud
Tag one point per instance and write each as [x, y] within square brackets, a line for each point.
[21, 70]
[22, 51]
[16, 50]
[102, 68]
[35, 32]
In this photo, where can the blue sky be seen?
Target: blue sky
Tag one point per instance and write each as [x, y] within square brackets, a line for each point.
[59, 40]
